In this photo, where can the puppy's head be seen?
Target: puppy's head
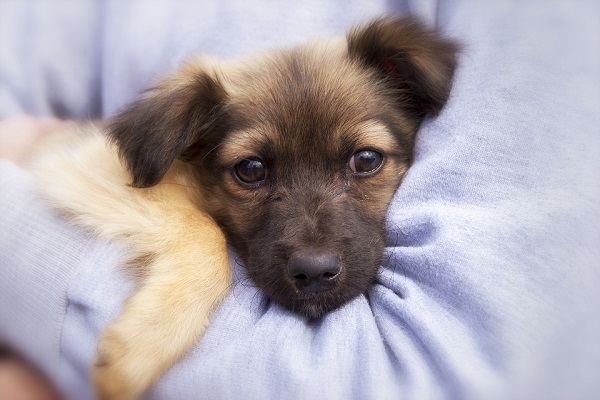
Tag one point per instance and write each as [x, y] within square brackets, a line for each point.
[299, 151]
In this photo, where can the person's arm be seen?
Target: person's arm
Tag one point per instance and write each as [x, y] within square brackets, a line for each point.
[50, 58]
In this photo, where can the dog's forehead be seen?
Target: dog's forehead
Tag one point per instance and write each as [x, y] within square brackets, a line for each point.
[261, 142]
[311, 98]
[315, 82]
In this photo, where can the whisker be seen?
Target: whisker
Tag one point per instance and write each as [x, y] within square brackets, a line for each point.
[210, 151]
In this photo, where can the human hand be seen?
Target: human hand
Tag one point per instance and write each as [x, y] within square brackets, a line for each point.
[19, 134]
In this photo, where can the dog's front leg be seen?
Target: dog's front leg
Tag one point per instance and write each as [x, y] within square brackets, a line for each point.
[186, 280]
[178, 251]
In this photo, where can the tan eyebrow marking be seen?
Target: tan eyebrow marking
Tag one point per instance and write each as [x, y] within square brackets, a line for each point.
[375, 134]
[242, 144]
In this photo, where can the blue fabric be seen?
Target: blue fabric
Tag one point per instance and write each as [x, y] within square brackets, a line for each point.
[491, 285]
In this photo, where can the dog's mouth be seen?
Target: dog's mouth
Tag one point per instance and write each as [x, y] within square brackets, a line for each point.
[311, 304]
[314, 305]
[312, 282]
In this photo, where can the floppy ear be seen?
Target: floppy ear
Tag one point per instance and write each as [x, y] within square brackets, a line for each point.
[417, 63]
[172, 117]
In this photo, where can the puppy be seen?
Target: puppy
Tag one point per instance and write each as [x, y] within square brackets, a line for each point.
[290, 156]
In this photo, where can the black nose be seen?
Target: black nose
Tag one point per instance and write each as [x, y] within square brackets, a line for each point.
[314, 270]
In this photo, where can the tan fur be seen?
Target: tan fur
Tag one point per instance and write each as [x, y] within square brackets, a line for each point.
[189, 274]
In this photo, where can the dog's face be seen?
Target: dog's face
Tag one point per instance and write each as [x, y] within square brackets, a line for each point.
[298, 152]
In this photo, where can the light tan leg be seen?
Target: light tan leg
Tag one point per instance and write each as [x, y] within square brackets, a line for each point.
[181, 255]
[167, 314]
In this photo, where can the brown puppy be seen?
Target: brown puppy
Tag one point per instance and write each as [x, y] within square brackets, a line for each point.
[294, 153]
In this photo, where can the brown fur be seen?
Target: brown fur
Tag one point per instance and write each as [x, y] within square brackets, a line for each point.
[304, 113]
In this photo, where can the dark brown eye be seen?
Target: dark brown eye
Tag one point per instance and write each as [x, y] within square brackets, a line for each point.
[365, 162]
[250, 171]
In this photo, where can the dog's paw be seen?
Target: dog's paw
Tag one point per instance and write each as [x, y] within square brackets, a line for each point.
[118, 373]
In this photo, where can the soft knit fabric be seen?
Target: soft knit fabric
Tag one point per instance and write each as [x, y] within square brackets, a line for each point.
[491, 284]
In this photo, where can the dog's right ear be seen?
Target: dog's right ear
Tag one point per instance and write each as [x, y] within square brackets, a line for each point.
[174, 116]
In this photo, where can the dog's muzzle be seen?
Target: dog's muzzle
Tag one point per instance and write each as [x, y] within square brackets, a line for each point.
[314, 270]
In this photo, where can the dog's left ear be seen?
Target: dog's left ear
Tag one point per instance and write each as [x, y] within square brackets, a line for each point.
[170, 121]
[417, 63]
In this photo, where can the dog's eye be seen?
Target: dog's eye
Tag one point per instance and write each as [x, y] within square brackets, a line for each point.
[365, 161]
[250, 170]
